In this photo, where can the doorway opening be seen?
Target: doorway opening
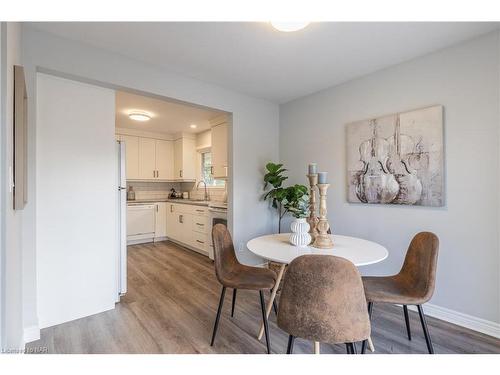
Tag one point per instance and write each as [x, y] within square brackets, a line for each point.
[173, 173]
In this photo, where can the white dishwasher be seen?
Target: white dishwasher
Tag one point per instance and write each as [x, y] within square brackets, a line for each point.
[140, 222]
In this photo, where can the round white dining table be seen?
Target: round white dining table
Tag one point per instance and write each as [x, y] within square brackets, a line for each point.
[277, 248]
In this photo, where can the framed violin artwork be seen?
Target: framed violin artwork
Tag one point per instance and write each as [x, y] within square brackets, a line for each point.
[397, 159]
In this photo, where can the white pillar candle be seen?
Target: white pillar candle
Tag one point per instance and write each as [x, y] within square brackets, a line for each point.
[322, 177]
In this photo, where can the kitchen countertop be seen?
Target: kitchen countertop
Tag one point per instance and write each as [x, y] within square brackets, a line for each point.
[181, 201]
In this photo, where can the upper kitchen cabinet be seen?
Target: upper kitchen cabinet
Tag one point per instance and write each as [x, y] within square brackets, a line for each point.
[185, 159]
[147, 158]
[156, 159]
[164, 156]
[219, 147]
[131, 156]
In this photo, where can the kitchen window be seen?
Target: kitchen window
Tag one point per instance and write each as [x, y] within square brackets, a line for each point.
[206, 171]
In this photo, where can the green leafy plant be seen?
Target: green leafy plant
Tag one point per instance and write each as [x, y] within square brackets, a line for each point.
[297, 201]
[293, 199]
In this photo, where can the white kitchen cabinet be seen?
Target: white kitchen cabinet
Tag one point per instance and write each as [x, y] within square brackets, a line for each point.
[161, 220]
[200, 224]
[187, 224]
[173, 222]
[186, 230]
[219, 150]
[164, 157]
[185, 159]
[147, 159]
[131, 156]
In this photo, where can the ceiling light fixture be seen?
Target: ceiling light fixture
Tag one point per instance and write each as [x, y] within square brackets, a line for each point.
[193, 126]
[289, 26]
[139, 116]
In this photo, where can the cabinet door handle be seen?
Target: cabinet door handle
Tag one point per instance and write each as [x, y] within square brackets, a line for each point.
[211, 170]
[157, 173]
[200, 224]
[171, 208]
[200, 210]
[154, 174]
[156, 208]
[199, 241]
[180, 173]
[181, 219]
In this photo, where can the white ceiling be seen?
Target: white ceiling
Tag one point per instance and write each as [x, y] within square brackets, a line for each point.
[256, 59]
[166, 117]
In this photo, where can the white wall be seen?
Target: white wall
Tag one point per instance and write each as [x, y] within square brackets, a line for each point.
[465, 80]
[11, 224]
[254, 131]
[76, 200]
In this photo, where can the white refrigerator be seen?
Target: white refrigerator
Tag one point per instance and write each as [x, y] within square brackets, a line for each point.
[122, 220]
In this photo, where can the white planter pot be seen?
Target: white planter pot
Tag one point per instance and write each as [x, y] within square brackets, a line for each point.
[300, 233]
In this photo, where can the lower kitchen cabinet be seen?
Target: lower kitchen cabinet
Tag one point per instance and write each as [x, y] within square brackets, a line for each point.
[161, 220]
[187, 224]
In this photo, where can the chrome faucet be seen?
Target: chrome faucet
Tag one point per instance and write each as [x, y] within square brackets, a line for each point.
[207, 198]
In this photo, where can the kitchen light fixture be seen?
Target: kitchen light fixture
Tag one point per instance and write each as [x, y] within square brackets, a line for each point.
[193, 126]
[289, 26]
[139, 116]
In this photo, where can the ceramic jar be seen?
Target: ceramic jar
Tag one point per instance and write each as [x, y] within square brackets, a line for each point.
[300, 233]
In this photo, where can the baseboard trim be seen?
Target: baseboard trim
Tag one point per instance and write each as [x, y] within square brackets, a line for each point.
[31, 333]
[460, 319]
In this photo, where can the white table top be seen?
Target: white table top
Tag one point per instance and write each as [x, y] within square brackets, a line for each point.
[277, 248]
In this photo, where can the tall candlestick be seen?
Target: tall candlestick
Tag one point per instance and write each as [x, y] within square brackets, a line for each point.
[322, 177]
[313, 217]
[313, 168]
[323, 239]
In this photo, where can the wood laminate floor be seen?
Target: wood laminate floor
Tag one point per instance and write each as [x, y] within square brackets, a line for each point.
[171, 304]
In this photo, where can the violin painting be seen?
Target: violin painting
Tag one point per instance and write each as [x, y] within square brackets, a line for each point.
[397, 159]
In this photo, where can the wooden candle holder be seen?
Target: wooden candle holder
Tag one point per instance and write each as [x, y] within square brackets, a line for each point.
[323, 239]
[313, 217]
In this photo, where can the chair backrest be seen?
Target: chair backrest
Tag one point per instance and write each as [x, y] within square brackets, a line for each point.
[224, 257]
[323, 300]
[419, 268]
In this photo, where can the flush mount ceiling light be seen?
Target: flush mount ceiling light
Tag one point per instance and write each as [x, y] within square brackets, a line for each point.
[193, 126]
[289, 26]
[139, 116]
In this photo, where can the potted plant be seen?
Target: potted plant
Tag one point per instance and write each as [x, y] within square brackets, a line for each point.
[297, 204]
[275, 177]
[293, 199]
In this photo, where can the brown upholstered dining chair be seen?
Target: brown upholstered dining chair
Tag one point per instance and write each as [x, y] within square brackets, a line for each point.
[232, 274]
[323, 300]
[275, 267]
[413, 285]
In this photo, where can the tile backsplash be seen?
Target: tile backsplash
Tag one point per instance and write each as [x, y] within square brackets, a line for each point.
[152, 190]
[215, 194]
[161, 190]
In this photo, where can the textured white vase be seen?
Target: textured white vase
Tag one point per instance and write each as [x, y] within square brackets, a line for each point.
[300, 233]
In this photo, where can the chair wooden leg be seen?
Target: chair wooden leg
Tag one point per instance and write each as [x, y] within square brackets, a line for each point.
[407, 321]
[317, 347]
[289, 348]
[264, 319]
[363, 345]
[216, 325]
[426, 330]
[234, 302]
